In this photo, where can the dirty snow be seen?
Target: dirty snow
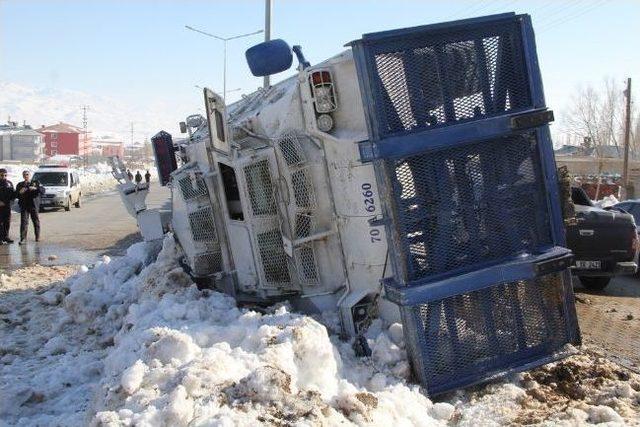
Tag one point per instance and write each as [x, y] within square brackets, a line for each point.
[132, 341]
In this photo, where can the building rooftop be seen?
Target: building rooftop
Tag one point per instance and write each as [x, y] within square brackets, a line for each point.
[61, 128]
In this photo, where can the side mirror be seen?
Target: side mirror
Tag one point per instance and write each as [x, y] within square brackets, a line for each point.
[183, 127]
[269, 57]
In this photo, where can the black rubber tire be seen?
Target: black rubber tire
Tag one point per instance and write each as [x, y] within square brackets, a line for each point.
[595, 283]
[68, 205]
[78, 203]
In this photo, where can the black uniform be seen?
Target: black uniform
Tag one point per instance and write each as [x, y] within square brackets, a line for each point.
[7, 194]
[29, 202]
[138, 177]
[147, 177]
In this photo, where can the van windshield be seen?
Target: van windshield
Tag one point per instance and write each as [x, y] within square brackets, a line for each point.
[52, 178]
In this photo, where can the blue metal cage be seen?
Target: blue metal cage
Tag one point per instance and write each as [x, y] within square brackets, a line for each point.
[458, 133]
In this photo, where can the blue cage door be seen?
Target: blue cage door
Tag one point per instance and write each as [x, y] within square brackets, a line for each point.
[458, 133]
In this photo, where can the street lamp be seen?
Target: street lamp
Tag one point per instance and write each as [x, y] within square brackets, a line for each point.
[225, 40]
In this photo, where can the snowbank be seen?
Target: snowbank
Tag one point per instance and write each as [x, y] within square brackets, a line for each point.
[133, 342]
[607, 201]
[96, 179]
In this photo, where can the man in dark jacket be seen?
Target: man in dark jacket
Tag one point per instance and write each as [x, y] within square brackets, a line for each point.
[29, 193]
[7, 194]
[147, 177]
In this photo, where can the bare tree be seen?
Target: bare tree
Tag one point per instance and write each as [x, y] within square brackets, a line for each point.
[597, 113]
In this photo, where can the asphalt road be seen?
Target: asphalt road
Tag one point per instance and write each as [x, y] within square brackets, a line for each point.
[101, 226]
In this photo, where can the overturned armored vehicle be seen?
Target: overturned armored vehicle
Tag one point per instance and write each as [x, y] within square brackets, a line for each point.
[410, 177]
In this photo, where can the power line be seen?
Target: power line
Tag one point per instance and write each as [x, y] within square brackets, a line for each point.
[84, 145]
[556, 8]
[571, 17]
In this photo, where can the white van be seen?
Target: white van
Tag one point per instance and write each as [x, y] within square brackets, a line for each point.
[62, 187]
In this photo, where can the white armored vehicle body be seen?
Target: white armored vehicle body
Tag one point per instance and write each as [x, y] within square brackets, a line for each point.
[274, 203]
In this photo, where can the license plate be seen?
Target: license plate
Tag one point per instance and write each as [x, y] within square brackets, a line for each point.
[588, 265]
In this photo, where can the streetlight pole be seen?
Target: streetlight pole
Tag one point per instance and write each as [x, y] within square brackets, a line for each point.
[224, 40]
[266, 81]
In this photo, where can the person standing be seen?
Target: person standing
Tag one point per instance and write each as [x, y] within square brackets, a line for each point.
[129, 175]
[138, 177]
[7, 194]
[29, 193]
[147, 177]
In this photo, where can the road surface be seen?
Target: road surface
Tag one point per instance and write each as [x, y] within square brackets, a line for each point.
[101, 226]
[610, 319]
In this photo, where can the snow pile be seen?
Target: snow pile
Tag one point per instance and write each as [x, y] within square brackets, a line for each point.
[96, 181]
[133, 342]
[607, 201]
[14, 172]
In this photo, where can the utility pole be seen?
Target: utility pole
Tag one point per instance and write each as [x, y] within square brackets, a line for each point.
[267, 35]
[627, 132]
[131, 145]
[84, 145]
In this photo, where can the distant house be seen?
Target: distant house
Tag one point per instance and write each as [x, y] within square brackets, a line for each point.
[65, 139]
[570, 150]
[106, 146]
[20, 143]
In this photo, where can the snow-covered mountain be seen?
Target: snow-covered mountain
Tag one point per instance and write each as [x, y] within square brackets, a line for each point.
[46, 106]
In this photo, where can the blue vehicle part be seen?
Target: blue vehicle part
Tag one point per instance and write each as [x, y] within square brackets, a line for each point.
[459, 139]
[271, 57]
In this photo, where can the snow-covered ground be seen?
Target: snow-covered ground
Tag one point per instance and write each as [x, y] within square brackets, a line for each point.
[95, 179]
[132, 341]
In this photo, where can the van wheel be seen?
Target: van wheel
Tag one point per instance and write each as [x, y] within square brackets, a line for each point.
[79, 201]
[595, 283]
[67, 207]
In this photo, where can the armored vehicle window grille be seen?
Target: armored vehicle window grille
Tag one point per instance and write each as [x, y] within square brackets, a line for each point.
[303, 189]
[203, 227]
[291, 150]
[260, 188]
[452, 339]
[429, 80]
[192, 187]
[304, 224]
[306, 265]
[273, 257]
[476, 204]
[207, 263]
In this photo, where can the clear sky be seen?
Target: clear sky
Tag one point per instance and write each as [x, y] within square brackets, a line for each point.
[139, 53]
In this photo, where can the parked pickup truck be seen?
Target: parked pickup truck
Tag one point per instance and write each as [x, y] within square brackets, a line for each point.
[604, 242]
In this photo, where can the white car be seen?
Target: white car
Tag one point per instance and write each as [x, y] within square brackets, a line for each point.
[62, 187]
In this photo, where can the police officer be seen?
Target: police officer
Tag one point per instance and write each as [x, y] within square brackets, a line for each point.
[29, 193]
[7, 194]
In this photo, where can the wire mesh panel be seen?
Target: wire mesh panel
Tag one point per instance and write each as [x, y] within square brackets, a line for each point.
[473, 204]
[306, 265]
[196, 228]
[260, 188]
[207, 263]
[464, 163]
[439, 78]
[202, 225]
[290, 148]
[274, 259]
[469, 336]
[192, 186]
